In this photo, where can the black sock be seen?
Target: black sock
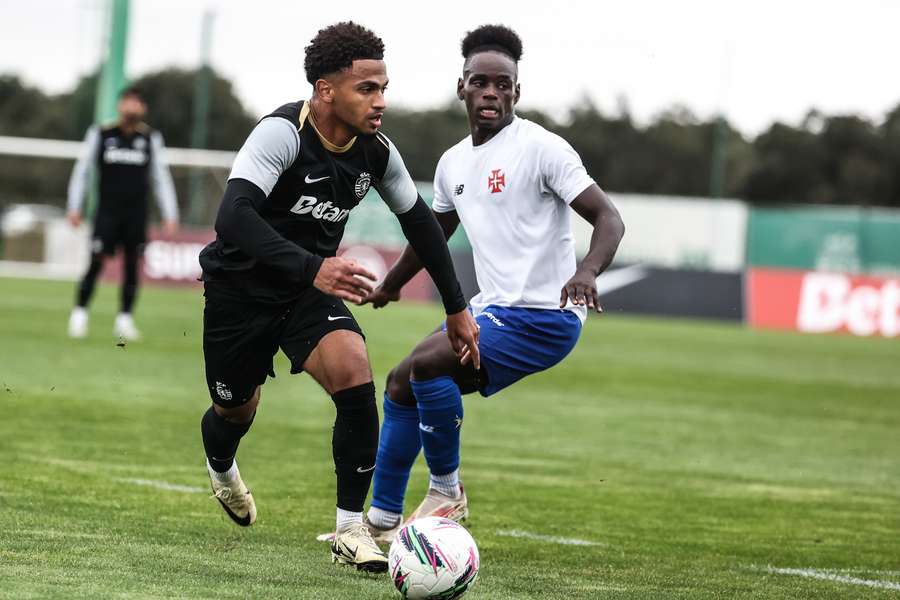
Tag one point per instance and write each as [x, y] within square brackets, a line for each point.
[86, 287]
[221, 439]
[130, 264]
[354, 444]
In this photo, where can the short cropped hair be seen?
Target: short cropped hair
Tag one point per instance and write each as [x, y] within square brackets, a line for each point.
[492, 37]
[336, 47]
[133, 91]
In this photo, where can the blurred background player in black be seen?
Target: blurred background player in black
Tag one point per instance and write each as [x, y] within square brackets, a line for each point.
[127, 157]
[273, 280]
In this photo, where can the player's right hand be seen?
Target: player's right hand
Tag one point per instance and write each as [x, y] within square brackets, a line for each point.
[344, 278]
[463, 333]
[381, 297]
[74, 218]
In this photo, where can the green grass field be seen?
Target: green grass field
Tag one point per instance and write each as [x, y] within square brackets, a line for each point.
[699, 460]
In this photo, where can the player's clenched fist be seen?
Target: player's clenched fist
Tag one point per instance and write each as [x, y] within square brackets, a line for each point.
[344, 278]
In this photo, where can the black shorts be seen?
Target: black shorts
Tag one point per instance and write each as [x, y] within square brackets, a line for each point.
[112, 231]
[241, 339]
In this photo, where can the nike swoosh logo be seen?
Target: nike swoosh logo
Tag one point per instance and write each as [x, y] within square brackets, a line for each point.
[619, 278]
[330, 318]
[308, 180]
[361, 470]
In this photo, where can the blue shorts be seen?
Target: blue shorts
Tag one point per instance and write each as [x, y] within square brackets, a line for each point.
[516, 342]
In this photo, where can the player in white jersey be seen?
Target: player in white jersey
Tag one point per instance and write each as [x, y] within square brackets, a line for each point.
[511, 184]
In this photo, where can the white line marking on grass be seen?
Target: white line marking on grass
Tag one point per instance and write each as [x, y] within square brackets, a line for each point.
[832, 576]
[165, 485]
[517, 533]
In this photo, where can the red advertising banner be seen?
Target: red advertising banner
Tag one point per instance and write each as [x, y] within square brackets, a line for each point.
[173, 260]
[817, 302]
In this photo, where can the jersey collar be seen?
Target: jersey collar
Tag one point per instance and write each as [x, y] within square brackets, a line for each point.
[327, 144]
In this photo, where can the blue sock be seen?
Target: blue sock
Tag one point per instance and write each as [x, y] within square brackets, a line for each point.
[440, 417]
[398, 448]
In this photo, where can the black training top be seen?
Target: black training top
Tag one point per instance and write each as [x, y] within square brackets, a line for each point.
[289, 195]
[127, 165]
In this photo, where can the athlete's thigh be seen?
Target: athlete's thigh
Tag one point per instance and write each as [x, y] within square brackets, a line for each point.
[339, 361]
[322, 337]
[517, 342]
[238, 346]
[397, 385]
[106, 235]
[434, 357]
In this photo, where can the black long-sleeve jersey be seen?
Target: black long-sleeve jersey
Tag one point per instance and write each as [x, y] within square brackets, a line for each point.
[127, 166]
[287, 202]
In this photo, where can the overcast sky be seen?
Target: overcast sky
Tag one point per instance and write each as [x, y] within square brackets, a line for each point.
[759, 61]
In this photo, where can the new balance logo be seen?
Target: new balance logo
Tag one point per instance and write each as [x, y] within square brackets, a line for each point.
[458, 189]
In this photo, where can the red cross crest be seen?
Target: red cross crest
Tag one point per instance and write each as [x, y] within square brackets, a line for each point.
[497, 181]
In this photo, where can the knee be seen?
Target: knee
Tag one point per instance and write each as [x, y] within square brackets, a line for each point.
[242, 414]
[397, 387]
[425, 365]
[353, 371]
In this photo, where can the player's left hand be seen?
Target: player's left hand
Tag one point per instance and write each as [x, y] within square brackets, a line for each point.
[462, 330]
[581, 289]
[380, 297]
[170, 226]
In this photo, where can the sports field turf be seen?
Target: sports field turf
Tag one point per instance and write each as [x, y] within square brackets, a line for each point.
[694, 460]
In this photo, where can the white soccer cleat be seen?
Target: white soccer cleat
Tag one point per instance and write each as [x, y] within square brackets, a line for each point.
[382, 536]
[438, 504]
[78, 323]
[125, 328]
[354, 546]
[236, 499]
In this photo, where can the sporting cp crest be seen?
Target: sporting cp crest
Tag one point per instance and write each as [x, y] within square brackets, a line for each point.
[362, 185]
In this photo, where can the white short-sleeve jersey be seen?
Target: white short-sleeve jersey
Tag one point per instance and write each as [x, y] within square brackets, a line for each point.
[512, 195]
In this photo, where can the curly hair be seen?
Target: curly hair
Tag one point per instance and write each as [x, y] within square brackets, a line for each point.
[492, 37]
[336, 47]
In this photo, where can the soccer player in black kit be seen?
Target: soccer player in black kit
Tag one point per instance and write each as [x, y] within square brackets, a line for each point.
[127, 156]
[272, 279]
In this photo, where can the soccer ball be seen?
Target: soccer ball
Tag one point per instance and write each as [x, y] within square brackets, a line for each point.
[433, 558]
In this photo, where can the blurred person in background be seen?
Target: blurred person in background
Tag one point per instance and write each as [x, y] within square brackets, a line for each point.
[128, 158]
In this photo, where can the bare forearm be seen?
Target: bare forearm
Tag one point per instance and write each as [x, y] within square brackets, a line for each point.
[402, 272]
[608, 232]
[409, 264]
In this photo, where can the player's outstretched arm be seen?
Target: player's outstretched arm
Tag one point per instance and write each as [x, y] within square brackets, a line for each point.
[408, 265]
[81, 175]
[427, 240]
[163, 186]
[595, 207]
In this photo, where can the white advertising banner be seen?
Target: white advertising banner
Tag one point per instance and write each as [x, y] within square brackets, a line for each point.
[675, 232]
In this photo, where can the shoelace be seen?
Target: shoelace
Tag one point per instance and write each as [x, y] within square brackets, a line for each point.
[362, 533]
[225, 494]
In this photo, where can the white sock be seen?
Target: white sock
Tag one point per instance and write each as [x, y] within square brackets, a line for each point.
[345, 518]
[229, 475]
[446, 484]
[383, 519]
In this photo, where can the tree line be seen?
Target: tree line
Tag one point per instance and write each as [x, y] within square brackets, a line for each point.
[825, 159]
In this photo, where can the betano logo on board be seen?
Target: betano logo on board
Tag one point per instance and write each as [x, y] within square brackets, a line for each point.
[816, 302]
